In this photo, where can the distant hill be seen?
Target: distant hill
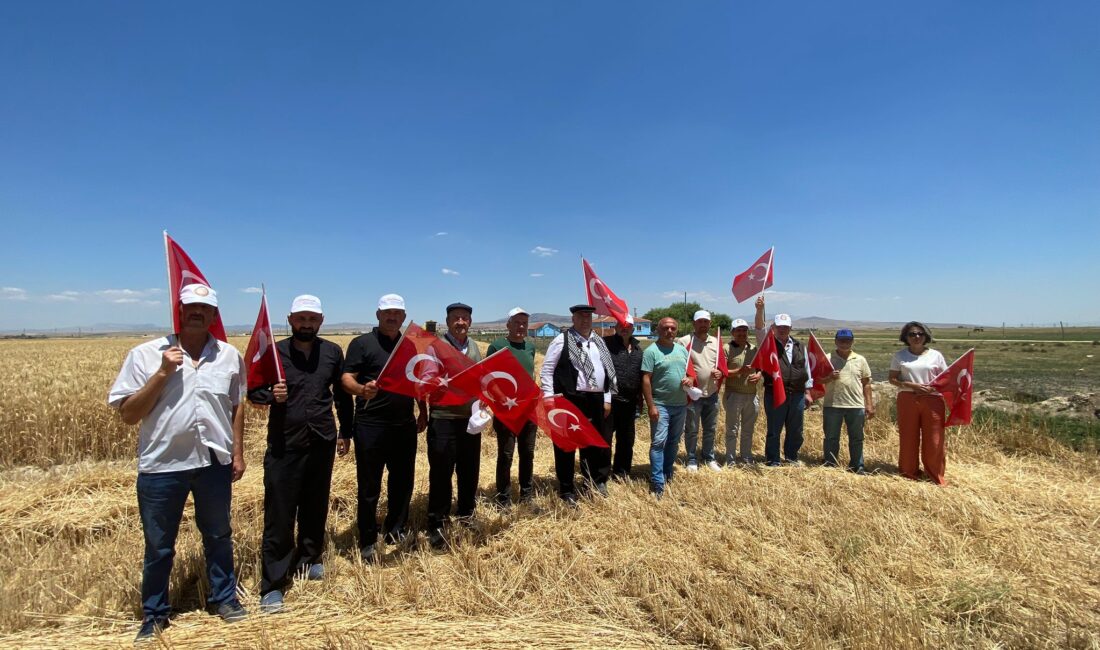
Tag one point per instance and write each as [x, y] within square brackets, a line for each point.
[820, 322]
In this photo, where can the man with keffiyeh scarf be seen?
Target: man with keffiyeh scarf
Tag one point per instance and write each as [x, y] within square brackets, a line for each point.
[578, 366]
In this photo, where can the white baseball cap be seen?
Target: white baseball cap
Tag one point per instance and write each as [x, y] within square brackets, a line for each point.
[391, 301]
[702, 314]
[198, 293]
[629, 319]
[783, 319]
[306, 302]
[740, 322]
[516, 311]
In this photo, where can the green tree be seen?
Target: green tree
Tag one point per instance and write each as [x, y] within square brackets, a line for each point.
[682, 312]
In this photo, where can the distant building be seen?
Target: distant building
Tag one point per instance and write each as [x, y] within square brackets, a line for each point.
[604, 326]
[543, 330]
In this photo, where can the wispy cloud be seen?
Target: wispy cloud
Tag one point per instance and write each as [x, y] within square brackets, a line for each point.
[127, 293]
[135, 301]
[697, 296]
[441, 234]
[792, 296]
[450, 272]
[64, 296]
[543, 251]
[537, 275]
[12, 293]
[252, 290]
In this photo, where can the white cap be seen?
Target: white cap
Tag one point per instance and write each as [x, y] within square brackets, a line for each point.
[198, 293]
[701, 314]
[783, 319]
[629, 319]
[306, 302]
[740, 322]
[391, 301]
[516, 311]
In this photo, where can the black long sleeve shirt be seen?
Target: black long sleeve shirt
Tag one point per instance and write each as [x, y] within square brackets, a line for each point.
[313, 386]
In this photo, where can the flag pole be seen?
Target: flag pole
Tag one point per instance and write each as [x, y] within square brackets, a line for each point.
[168, 269]
[271, 336]
[764, 285]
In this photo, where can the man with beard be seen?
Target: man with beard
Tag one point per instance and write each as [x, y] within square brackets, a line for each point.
[578, 366]
[451, 450]
[385, 431]
[626, 352]
[301, 445]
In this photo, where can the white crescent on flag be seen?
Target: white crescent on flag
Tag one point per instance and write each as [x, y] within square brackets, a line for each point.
[763, 274]
[500, 374]
[260, 352]
[594, 286]
[185, 275]
[410, 367]
[572, 416]
[811, 362]
[964, 388]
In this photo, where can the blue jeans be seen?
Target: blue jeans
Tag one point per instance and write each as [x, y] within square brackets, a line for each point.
[788, 414]
[666, 440]
[853, 419]
[705, 409]
[161, 497]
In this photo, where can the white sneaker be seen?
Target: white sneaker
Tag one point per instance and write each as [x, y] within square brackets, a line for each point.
[692, 467]
[714, 466]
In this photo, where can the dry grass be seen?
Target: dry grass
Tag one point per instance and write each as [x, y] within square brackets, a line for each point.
[1004, 557]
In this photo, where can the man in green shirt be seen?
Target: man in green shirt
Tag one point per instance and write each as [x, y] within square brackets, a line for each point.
[524, 351]
[848, 400]
[664, 377]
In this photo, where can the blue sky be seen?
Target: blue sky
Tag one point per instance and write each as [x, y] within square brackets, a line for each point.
[934, 160]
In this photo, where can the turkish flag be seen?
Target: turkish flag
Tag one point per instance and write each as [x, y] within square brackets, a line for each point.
[566, 425]
[956, 384]
[422, 366]
[767, 362]
[756, 278]
[602, 297]
[722, 366]
[182, 272]
[504, 386]
[819, 366]
[264, 366]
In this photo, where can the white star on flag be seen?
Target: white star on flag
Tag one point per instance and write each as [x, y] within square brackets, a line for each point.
[510, 402]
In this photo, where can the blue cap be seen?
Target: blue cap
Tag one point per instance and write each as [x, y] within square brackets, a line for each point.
[845, 334]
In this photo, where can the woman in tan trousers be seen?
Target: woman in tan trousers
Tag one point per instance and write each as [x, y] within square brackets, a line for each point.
[920, 407]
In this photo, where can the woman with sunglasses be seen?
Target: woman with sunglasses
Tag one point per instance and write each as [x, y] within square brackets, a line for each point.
[920, 407]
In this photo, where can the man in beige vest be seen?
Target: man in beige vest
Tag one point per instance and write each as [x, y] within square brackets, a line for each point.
[741, 402]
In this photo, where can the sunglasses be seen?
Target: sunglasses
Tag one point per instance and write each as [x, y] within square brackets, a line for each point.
[916, 335]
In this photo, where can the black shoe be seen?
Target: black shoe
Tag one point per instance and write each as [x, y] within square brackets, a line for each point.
[231, 611]
[569, 499]
[395, 537]
[503, 500]
[526, 496]
[436, 538]
[151, 627]
[369, 553]
[773, 463]
[601, 489]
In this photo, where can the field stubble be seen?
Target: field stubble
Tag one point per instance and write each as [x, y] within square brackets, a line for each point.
[1005, 556]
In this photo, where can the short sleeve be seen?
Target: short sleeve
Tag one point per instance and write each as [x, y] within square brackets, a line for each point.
[895, 363]
[647, 361]
[237, 387]
[866, 371]
[129, 381]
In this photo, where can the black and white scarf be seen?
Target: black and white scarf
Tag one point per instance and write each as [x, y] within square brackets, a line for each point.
[583, 363]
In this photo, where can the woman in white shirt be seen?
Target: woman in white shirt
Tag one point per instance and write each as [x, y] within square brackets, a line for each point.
[920, 407]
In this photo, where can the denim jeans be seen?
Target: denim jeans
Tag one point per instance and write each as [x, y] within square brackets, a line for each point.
[789, 414]
[161, 497]
[853, 419]
[705, 409]
[666, 440]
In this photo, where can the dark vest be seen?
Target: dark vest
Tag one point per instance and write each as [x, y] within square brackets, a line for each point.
[795, 374]
[565, 375]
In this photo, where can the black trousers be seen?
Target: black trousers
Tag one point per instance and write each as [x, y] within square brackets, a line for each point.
[620, 425]
[451, 452]
[378, 447]
[506, 448]
[595, 461]
[296, 488]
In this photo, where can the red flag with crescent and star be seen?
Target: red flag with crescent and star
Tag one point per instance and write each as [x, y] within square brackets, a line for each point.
[264, 367]
[504, 386]
[956, 384]
[182, 272]
[566, 425]
[756, 278]
[722, 366]
[767, 362]
[422, 366]
[819, 364]
[602, 297]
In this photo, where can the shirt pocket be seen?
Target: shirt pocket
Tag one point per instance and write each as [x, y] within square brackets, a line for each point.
[214, 385]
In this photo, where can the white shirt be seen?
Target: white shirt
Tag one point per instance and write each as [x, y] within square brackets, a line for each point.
[788, 348]
[705, 360]
[553, 356]
[918, 369]
[193, 414]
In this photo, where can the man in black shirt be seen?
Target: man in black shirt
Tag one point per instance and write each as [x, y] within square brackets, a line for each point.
[301, 443]
[626, 354]
[385, 430]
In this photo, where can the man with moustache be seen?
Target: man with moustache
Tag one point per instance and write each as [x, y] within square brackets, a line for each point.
[185, 389]
[626, 353]
[384, 432]
[507, 440]
[704, 357]
[742, 406]
[301, 445]
[848, 401]
[664, 381]
[796, 383]
[451, 450]
[578, 366]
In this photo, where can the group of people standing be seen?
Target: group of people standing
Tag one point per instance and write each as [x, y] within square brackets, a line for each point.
[186, 391]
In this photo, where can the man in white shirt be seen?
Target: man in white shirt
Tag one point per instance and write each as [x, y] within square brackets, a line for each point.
[703, 349]
[578, 366]
[185, 390]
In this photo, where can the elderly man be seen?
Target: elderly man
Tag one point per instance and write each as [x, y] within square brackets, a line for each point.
[796, 381]
[452, 451]
[385, 431]
[740, 400]
[664, 370]
[578, 366]
[848, 400]
[185, 390]
[626, 353]
[507, 440]
[301, 446]
[704, 357]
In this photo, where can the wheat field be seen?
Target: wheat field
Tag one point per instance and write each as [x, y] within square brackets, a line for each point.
[1006, 556]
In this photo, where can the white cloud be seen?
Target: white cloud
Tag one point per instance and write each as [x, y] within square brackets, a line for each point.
[135, 301]
[791, 296]
[126, 293]
[544, 251]
[441, 234]
[252, 290]
[536, 275]
[450, 272]
[64, 296]
[695, 296]
[12, 293]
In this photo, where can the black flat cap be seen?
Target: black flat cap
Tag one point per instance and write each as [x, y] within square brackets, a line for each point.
[581, 308]
[459, 305]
